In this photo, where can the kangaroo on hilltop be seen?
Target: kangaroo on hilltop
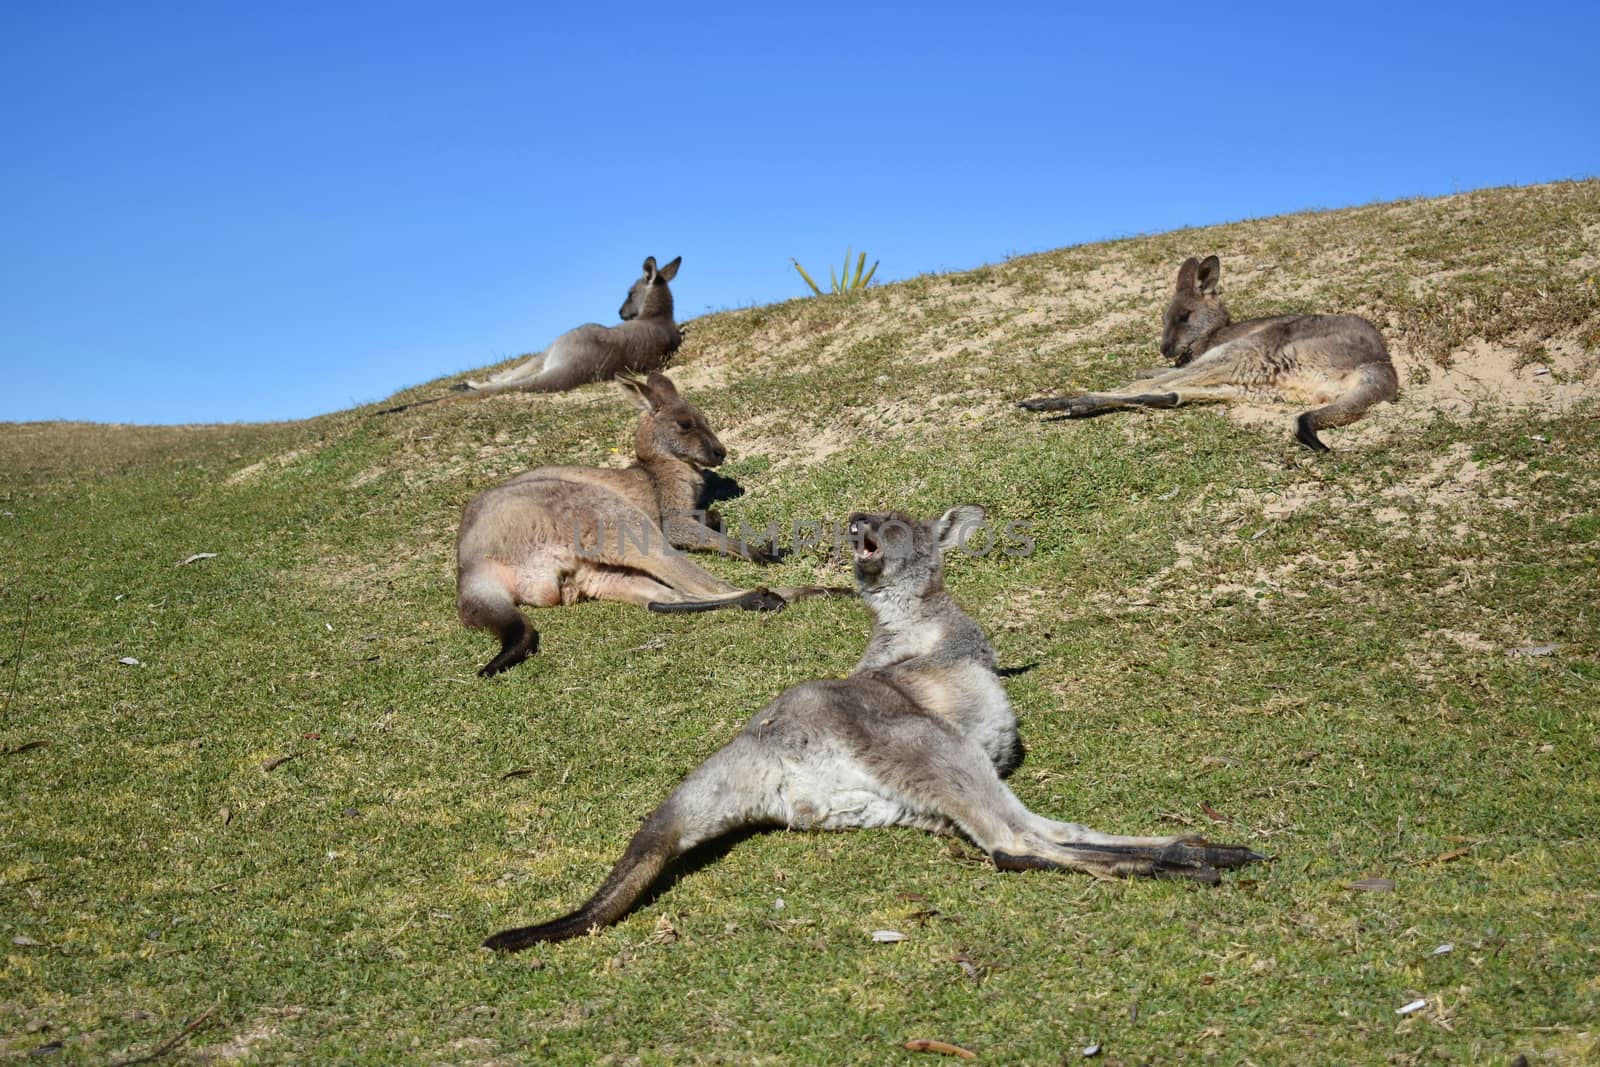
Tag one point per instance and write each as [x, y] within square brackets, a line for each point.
[917, 735]
[1335, 364]
[642, 343]
[557, 535]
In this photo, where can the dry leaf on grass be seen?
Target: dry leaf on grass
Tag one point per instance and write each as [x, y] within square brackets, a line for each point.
[664, 933]
[944, 1048]
[1445, 857]
[968, 968]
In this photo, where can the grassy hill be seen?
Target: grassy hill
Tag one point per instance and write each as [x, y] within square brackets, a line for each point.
[299, 811]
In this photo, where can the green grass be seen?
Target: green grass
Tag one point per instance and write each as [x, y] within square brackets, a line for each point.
[1312, 648]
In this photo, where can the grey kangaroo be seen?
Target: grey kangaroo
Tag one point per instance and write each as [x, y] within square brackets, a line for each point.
[918, 735]
[1335, 364]
[643, 342]
[557, 535]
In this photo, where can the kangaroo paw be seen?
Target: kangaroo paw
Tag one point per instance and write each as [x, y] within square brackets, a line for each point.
[1307, 434]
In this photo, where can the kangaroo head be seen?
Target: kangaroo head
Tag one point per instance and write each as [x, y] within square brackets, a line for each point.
[893, 550]
[670, 427]
[1196, 312]
[650, 297]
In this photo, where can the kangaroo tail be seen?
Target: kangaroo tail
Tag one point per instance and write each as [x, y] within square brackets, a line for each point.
[652, 848]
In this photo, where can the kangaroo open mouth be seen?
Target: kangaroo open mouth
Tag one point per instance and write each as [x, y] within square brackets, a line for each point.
[866, 545]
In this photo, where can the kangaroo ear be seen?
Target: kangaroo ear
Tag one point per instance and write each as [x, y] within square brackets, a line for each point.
[1188, 274]
[1210, 274]
[661, 388]
[649, 268]
[637, 392]
[958, 524]
[670, 271]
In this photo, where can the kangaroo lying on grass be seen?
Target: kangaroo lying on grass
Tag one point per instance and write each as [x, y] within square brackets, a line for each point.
[557, 535]
[917, 735]
[592, 353]
[1336, 364]
[644, 342]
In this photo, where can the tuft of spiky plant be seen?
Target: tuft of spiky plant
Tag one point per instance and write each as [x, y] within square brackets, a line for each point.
[844, 282]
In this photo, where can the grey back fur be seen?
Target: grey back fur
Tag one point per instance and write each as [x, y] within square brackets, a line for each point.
[1337, 365]
[643, 342]
[918, 735]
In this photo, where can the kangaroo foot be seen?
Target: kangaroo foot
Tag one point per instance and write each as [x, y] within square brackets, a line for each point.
[1307, 434]
[1088, 405]
[758, 599]
[762, 599]
[1046, 403]
[1155, 400]
[1192, 858]
[1199, 850]
[516, 648]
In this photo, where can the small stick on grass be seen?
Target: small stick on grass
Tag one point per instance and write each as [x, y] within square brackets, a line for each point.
[169, 1044]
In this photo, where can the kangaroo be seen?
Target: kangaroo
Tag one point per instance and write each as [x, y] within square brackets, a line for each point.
[557, 535]
[1336, 364]
[917, 735]
[643, 342]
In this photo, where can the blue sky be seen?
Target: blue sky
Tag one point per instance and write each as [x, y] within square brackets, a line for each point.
[225, 212]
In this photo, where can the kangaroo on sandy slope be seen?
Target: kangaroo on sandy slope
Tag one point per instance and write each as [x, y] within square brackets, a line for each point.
[1335, 364]
[917, 735]
[642, 343]
[557, 535]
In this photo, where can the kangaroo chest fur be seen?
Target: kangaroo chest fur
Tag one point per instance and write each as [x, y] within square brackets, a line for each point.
[840, 757]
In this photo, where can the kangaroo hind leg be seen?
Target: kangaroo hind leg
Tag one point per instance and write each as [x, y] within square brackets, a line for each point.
[678, 584]
[1377, 383]
[971, 795]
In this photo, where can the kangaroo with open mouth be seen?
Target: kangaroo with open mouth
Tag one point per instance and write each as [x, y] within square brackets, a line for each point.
[918, 734]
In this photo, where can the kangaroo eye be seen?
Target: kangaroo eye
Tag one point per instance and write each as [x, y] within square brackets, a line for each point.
[685, 424]
[1183, 318]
